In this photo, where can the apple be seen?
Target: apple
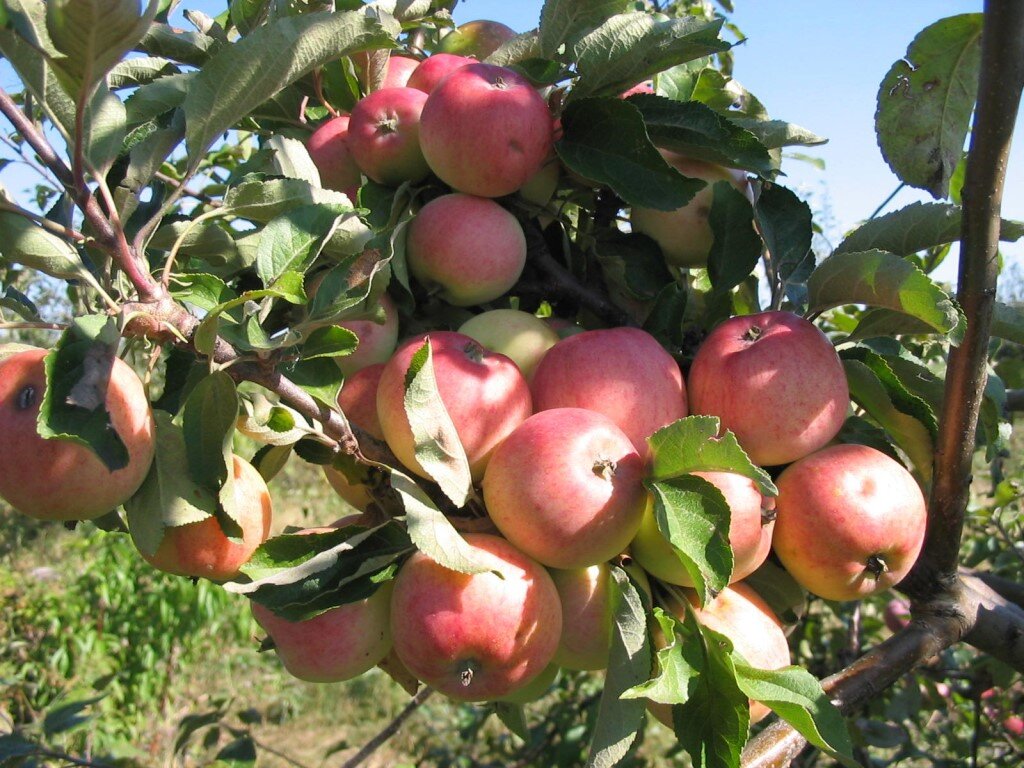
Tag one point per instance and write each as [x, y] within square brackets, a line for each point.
[478, 38]
[201, 550]
[358, 401]
[483, 392]
[750, 532]
[476, 637]
[851, 522]
[397, 70]
[338, 644]
[541, 187]
[377, 341]
[566, 487]
[587, 620]
[775, 381]
[645, 87]
[328, 149]
[684, 234]
[534, 689]
[469, 249]
[433, 70]
[623, 373]
[61, 479]
[756, 633]
[523, 337]
[485, 130]
[1014, 725]
[896, 614]
[384, 135]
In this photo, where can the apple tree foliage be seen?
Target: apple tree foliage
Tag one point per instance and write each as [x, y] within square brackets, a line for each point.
[183, 214]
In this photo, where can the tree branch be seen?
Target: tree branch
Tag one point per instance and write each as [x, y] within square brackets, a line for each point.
[999, 92]
[389, 730]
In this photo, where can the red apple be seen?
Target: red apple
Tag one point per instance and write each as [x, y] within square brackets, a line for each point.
[201, 550]
[433, 70]
[469, 249]
[483, 392]
[478, 38]
[339, 644]
[645, 87]
[61, 479]
[623, 373]
[587, 614]
[476, 637]
[896, 614]
[485, 130]
[398, 71]
[377, 341]
[773, 379]
[750, 532]
[384, 135]
[684, 234]
[850, 522]
[358, 401]
[523, 337]
[328, 148]
[1014, 725]
[566, 487]
[757, 635]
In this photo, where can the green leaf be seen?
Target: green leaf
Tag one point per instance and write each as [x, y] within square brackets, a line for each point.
[77, 377]
[880, 279]
[665, 320]
[93, 35]
[168, 497]
[66, 717]
[775, 134]
[905, 417]
[564, 21]
[261, 201]
[619, 720]
[695, 130]
[329, 341]
[293, 240]
[605, 140]
[299, 576]
[188, 47]
[633, 262]
[677, 666]
[631, 47]
[291, 159]
[206, 333]
[432, 533]
[513, 717]
[436, 442]
[693, 516]
[132, 73]
[694, 445]
[916, 227]
[320, 377]
[24, 242]
[242, 76]
[1008, 323]
[154, 99]
[736, 246]
[795, 695]
[208, 423]
[774, 584]
[357, 279]
[925, 103]
[786, 226]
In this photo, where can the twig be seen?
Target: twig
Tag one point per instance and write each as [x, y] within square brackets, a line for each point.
[198, 194]
[31, 325]
[389, 730]
[277, 753]
[999, 93]
[46, 173]
[45, 223]
[887, 200]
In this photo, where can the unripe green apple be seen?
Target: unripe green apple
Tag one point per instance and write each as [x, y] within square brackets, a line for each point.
[851, 522]
[684, 234]
[523, 337]
[62, 479]
[469, 249]
[476, 637]
[478, 38]
[751, 523]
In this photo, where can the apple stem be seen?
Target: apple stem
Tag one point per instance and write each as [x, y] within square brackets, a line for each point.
[604, 468]
[876, 566]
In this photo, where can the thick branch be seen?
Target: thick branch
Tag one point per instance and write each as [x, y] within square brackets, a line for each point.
[106, 235]
[1007, 588]
[999, 92]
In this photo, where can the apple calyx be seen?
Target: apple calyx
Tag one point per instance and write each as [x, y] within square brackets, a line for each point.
[768, 515]
[474, 352]
[753, 333]
[876, 566]
[466, 675]
[387, 126]
[26, 398]
[604, 468]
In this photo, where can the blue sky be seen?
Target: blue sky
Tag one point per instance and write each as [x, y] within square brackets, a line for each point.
[812, 63]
